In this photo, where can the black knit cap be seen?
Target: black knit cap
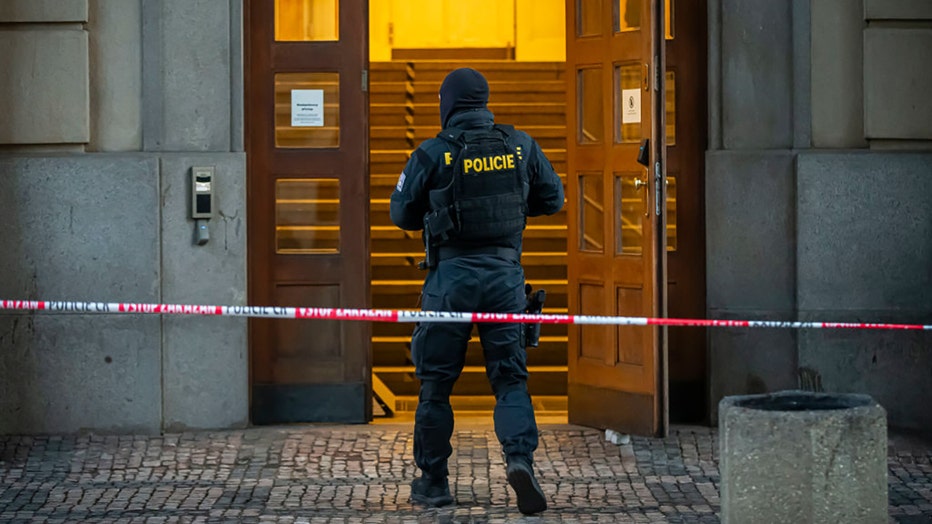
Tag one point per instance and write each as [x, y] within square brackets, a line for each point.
[463, 88]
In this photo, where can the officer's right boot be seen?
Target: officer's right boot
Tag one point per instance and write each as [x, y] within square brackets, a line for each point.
[432, 492]
[531, 498]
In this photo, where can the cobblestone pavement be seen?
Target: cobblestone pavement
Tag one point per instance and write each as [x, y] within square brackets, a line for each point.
[361, 474]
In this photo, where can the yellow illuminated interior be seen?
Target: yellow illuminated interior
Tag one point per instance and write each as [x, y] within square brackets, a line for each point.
[307, 20]
[534, 29]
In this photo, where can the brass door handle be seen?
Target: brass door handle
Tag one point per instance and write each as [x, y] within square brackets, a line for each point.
[638, 183]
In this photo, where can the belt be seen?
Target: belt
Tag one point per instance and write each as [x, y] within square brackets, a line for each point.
[448, 252]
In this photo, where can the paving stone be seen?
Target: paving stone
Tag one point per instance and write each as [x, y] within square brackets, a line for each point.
[362, 474]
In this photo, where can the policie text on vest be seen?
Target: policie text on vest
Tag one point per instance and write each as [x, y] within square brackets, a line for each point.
[484, 164]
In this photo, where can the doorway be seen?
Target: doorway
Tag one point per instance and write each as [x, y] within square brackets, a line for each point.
[403, 113]
[527, 69]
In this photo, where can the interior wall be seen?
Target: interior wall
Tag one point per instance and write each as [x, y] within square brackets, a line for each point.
[535, 29]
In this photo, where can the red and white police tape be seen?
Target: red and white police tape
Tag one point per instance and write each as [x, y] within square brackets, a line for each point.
[387, 315]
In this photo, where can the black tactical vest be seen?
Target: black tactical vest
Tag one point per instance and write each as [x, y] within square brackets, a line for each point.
[487, 199]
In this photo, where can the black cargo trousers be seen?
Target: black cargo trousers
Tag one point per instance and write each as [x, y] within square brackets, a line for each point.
[477, 283]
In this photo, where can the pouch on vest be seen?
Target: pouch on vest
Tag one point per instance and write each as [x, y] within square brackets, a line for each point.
[488, 184]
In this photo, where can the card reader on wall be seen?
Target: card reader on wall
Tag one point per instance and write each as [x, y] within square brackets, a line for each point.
[202, 201]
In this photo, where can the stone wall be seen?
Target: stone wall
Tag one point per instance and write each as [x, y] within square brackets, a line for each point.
[810, 215]
[123, 98]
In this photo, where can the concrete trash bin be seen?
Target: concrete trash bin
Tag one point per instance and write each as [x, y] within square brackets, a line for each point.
[801, 457]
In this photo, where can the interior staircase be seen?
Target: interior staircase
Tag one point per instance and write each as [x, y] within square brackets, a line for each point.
[403, 112]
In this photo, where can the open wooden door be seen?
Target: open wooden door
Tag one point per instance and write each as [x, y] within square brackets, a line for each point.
[615, 235]
[308, 205]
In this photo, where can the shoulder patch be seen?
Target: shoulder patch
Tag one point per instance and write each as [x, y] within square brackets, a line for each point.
[401, 182]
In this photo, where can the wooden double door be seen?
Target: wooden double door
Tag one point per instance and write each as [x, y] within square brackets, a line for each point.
[629, 223]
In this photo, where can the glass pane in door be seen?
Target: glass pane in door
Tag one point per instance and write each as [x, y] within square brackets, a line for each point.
[307, 110]
[671, 213]
[589, 17]
[627, 15]
[307, 20]
[589, 105]
[631, 195]
[307, 215]
[628, 82]
[670, 101]
[591, 213]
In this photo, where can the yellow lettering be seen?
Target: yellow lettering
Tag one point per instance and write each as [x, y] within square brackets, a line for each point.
[488, 163]
[447, 158]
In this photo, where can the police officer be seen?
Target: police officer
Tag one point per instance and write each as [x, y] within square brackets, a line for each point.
[470, 190]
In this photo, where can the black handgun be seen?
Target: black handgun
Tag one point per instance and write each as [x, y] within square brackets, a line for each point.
[535, 306]
[430, 258]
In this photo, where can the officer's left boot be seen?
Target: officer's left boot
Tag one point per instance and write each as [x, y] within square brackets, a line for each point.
[531, 498]
[432, 492]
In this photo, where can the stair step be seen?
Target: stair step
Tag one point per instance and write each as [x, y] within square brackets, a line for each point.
[493, 71]
[543, 404]
[546, 384]
[550, 352]
[412, 245]
[468, 369]
[533, 258]
[520, 115]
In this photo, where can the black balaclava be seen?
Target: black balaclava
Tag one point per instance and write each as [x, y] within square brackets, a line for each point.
[462, 89]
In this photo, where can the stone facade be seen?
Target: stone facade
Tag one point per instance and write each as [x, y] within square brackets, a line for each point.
[95, 157]
[820, 206]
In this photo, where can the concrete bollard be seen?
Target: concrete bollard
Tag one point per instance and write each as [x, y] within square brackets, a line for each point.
[802, 457]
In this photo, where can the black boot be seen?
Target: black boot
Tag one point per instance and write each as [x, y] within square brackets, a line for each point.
[531, 498]
[431, 492]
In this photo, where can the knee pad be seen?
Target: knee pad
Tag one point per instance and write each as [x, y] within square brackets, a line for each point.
[435, 391]
[503, 389]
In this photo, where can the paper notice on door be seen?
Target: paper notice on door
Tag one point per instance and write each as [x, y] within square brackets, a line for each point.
[307, 108]
[630, 106]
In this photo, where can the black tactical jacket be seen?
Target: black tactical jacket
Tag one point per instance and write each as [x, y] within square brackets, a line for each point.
[426, 171]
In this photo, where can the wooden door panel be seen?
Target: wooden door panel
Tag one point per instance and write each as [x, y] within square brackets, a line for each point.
[631, 338]
[609, 356]
[595, 342]
[308, 210]
[608, 407]
[613, 366]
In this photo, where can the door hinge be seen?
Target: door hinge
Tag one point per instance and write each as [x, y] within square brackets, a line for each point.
[365, 80]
